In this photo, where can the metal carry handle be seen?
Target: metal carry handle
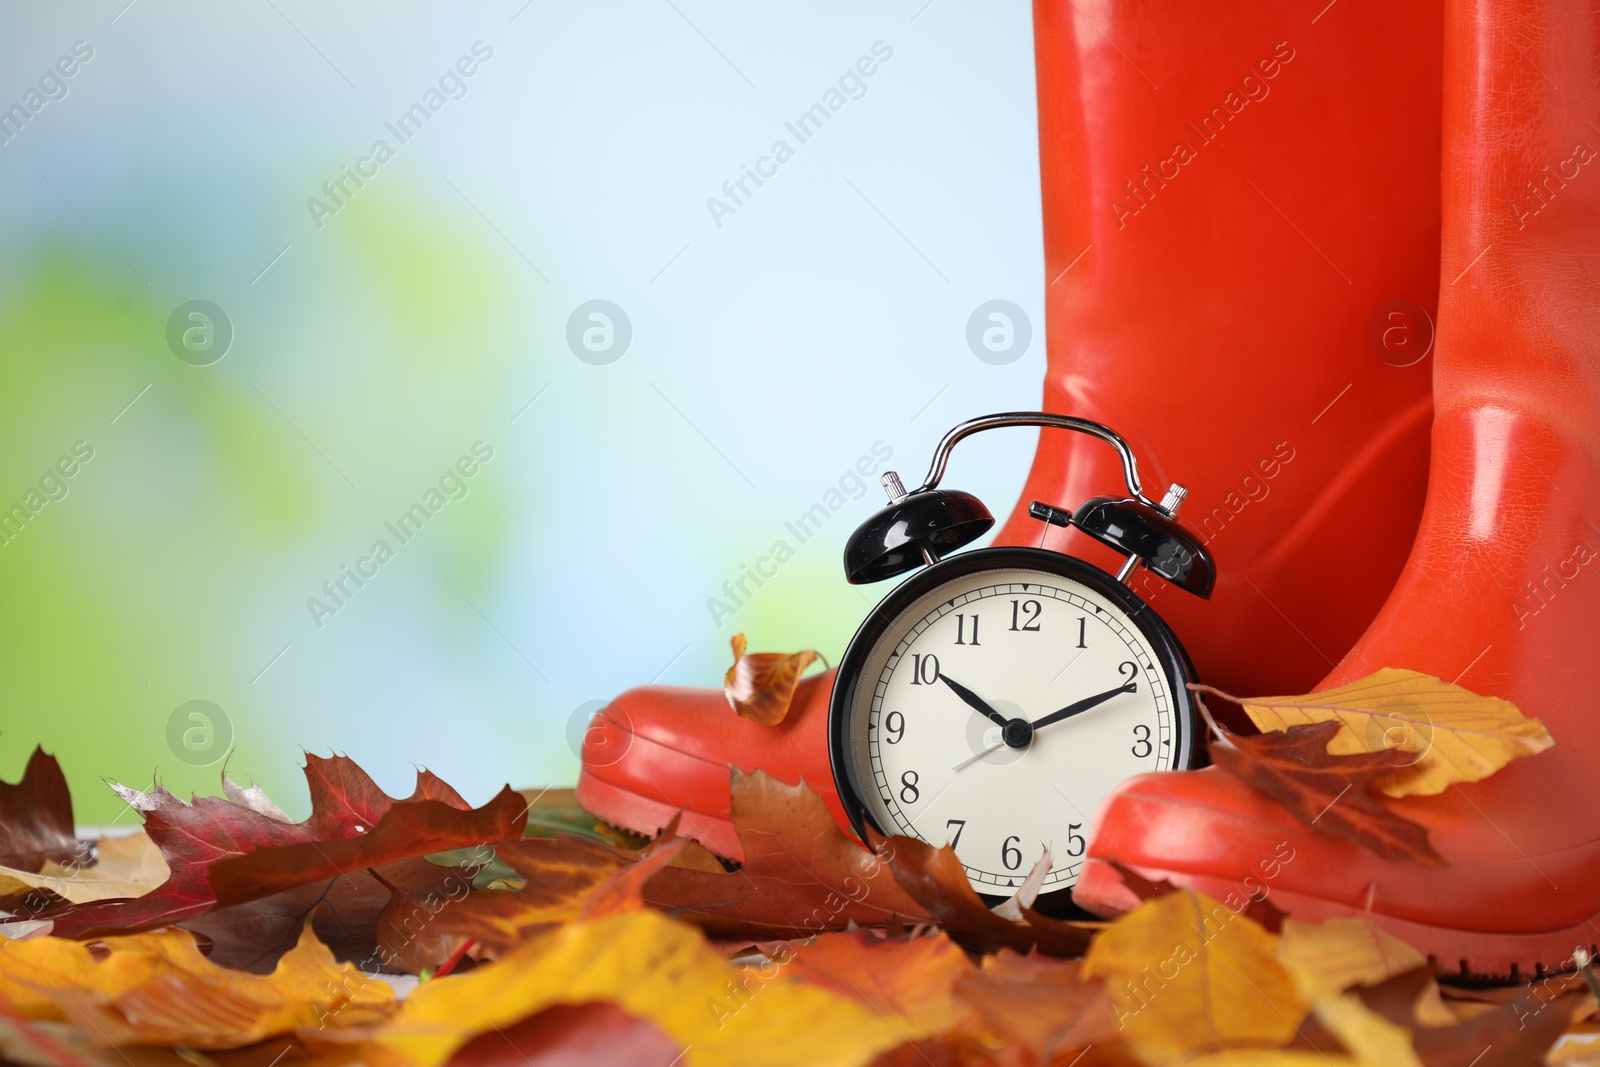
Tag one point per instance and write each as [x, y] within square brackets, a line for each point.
[1130, 466]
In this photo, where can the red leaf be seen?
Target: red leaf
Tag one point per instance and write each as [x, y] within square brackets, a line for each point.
[761, 686]
[1328, 793]
[36, 816]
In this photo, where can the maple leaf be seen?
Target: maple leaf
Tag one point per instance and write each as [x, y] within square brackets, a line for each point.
[801, 874]
[226, 853]
[157, 988]
[1435, 734]
[1044, 1005]
[936, 880]
[1326, 792]
[36, 817]
[1187, 975]
[910, 982]
[761, 686]
[654, 968]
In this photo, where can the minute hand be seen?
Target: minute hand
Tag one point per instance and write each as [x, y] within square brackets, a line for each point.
[1085, 704]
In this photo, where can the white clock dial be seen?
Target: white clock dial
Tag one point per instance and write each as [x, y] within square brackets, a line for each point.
[1084, 690]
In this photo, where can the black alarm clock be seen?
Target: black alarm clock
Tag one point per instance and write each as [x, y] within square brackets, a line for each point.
[993, 699]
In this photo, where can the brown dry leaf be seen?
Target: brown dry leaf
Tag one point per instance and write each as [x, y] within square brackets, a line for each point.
[1327, 792]
[910, 982]
[129, 866]
[654, 968]
[1352, 952]
[566, 878]
[935, 878]
[157, 988]
[36, 816]
[1046, 1006]
[1188, 976]
[566, 1035]
[760, 686]
[801, 874]
[1436, 734]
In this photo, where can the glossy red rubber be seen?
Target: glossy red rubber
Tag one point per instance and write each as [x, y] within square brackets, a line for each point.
[1502, 588]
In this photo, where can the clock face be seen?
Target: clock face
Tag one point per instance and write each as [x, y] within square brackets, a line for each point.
[996, 711]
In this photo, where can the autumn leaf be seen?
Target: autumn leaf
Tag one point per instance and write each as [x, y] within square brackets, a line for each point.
[1327, 792]
[1260, 910]
[937, 881]
[157, 988]
[801, 874]
[1186, 976]
[654, 968]
[127, 866]
[1435, 734]
[556, 811]
[227, 853]
[1356, 952]
[760, 686]
[910, 982]
[36, 816]
[565, 1035]
[1046, 1006]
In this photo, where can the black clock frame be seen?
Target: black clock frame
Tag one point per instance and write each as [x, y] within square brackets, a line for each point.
[1175, 662]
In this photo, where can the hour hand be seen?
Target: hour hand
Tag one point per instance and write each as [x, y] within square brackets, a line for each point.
[972, 699]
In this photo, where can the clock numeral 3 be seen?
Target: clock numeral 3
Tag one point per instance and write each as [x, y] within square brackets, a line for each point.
[895, 723]
[960, 825]
[961, 629]
[1075, 841]
[1142, 739]
[1008, 851]
[908, 788]
[1030, 610]
[924, 669]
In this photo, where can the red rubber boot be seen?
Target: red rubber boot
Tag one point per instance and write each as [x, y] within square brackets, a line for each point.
[1502, 589]
[1217, 316]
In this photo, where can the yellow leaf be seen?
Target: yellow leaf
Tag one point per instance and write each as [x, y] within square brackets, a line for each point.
[129, 866]
[1352, 952]
[1371, 1040]
[157, 988]
[655, 968]
[1186, 975]
[1438, 734]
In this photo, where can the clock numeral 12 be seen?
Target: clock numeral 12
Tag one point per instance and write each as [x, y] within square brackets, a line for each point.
[961, 629]
[924, 669]
[1031, 609]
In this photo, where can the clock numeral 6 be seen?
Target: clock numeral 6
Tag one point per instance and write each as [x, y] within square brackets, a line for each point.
[960, 825]
[1075, 841]
[1141, 736]
[908, 788]
[895, 723]
[1008, 851]
[924, 669]
[1031, 610]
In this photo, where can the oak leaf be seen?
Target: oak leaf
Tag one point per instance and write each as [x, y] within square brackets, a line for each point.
[653, 967]
[1324, 791]
[1044, 1005]
[760, 685]
[936, 879]
[1436, 734]
[36, 816]
[801, 874]
[156, 988]
[127, 866]
[1186, 976]
[910, 982]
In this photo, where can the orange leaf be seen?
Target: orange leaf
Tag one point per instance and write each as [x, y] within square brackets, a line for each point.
[910, 983]
[1044, 1005]
[801, 874]
[761, 686]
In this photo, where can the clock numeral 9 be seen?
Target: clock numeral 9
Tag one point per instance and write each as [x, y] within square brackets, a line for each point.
[1075, 842]
[909, 793]
[924, 669]
[961, 629]
[1010, 854]
[1031, 610]
[895, 723]
[1142, 739]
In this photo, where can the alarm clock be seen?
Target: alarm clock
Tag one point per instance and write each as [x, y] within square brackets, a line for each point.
[993, 699]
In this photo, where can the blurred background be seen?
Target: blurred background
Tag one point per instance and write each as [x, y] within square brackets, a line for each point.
[490, 284]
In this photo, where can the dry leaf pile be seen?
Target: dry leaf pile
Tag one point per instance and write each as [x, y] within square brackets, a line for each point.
[225, 933]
